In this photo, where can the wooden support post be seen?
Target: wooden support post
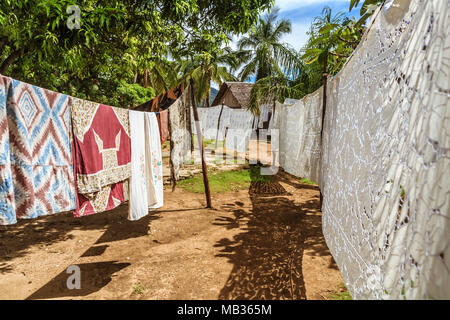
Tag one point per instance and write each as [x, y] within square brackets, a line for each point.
[189, 125]
[173, 180]
[218, 128]
[324, 107]
[224, 150]
[200, 144]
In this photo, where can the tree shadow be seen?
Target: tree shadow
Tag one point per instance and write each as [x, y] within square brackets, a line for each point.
[267, 255]
[93, 277]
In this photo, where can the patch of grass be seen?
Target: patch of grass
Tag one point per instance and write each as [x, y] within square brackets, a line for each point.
[208, 143]
[306, 181]
[139, 289]
[165, 145]
[225, 181]
[342, 294]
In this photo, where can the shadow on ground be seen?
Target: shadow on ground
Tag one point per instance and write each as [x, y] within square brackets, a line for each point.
[94, 277]
[47, 230]
[52, 229]
[267, 255]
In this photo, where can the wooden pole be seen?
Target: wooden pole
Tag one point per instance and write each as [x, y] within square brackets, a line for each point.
[200, 144]
[173, 180]
[324, 107]
[189, 126]
[218, 127]
[224, 152]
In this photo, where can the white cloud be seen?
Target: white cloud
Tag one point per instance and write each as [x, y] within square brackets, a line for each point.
[286, 5]
[298, 37]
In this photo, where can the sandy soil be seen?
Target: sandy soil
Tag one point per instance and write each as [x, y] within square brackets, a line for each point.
[251, 246]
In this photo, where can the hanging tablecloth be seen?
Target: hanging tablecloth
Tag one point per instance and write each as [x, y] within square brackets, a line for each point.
[102, 155]
[36, 172]
[146, 182]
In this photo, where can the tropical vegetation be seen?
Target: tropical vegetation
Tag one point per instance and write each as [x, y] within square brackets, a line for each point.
[125, 52]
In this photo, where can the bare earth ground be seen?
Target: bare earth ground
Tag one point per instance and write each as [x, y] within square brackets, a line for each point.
[249, 247]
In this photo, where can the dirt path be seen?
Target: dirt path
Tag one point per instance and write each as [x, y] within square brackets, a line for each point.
[251, 246]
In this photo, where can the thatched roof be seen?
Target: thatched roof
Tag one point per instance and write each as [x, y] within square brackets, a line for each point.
[234, 95]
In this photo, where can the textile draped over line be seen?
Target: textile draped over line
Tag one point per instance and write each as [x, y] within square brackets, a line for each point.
[146, 188]
[385, 164]
[238, 121]
[102, 155]
[180, 137]
[163, 101]
[161, 104]
[163, 124]
[299, 126]
[154, 152]
[36, 173]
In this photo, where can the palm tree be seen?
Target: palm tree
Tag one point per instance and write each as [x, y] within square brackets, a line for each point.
[206, 67]
[276, 87]
[263, 52]
[325, 45]
[367, 9]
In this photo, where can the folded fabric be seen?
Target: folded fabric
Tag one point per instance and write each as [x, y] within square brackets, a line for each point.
[143, 185]
[108, 198]
[102, 155]
[36, 172]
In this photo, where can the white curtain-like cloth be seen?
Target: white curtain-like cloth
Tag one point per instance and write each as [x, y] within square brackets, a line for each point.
[299, 126]
[155, 154]
[240, 130]
[146, 184]
[179, 134]
[238, 121]
[385, 155]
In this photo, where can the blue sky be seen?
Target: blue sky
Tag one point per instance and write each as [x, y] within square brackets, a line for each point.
[302, 12]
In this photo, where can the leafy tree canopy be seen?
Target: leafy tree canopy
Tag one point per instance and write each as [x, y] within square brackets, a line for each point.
[117, 47]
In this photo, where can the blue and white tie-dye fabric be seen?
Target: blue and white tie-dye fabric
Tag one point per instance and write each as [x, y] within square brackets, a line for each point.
[7, 212]
[37, 175]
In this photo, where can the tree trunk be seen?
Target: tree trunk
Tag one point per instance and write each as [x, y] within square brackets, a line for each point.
[200, 144]
[218, 127]
[11, 58]
[189, 122]
[325, 83]
[173, 179]
[146, 78]
[324, 107]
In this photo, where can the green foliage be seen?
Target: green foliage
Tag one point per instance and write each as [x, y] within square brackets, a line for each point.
[332, 39]
[225, 181]
[272, 62]
[139, 289]
[119, 43]
[134, 93]
[263, 53]
[342, 294]
[210, 64]
[306, 181]
[273, 88]
[367, 9]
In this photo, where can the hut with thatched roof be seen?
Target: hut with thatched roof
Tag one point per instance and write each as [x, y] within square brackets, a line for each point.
[234, 95]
